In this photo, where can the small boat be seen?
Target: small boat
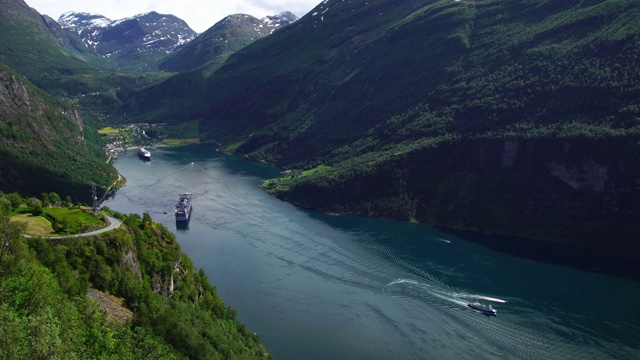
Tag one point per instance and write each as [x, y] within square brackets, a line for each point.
[144, 154]
[183, 207]
[485, 309]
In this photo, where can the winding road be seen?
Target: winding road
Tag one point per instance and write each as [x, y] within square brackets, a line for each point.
[113, 224]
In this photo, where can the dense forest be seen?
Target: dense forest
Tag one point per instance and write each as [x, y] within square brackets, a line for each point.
[46, 145]
[176, 313]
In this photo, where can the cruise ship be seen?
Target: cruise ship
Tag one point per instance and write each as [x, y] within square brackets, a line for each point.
[183, 207]
[144, 154]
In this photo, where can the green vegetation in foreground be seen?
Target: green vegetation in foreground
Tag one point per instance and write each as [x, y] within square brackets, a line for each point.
[44, 218]
[35, 225]
[45, 312]
[75, 220]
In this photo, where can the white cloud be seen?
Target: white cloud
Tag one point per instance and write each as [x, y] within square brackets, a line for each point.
[199, 14]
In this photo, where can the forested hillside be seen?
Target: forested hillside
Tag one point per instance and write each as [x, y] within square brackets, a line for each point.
[44, 144]
[45, 311]
[500, 116]
[36, 47]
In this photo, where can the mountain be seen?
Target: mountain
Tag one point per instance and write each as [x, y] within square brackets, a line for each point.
[36, 47]
[225, 37]
[497, 116]
[43, 146]
[131, 44]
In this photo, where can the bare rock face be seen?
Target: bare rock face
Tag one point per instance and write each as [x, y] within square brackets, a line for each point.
[22, 106]
[510, 153]
[74, 116]
[130, 262]
[587, 175]
[13, 93]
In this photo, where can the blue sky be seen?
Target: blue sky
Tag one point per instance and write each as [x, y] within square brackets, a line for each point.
[199, 14]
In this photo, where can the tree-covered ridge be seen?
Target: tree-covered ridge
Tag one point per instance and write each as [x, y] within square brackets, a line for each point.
[177, 313]
[458, 70]
[38, 48]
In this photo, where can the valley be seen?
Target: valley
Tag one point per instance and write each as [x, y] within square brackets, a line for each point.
[513, 124]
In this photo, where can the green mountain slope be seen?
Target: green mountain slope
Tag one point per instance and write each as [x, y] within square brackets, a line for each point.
[36, 47]
[43, 146]
[514, 117]
[528, 66]
[227, 36]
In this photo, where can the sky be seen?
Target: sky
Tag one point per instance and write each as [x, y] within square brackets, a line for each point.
[199, 14]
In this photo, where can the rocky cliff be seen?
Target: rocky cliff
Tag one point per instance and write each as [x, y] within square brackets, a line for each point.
[42, 144]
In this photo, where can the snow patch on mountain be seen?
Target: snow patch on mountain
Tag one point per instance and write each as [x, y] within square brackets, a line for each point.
[142, 32]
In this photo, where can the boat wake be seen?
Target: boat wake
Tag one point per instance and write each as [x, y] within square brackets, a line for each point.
[442, 315]
[517, 331]
[480, 297]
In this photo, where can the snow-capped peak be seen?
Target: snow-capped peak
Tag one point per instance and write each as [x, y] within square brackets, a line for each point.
[147, 32]
[73, 19]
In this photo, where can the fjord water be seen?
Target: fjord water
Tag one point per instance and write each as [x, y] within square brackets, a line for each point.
[316, 286]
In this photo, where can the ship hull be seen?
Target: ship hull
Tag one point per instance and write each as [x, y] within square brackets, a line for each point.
[184, 217]
[144, 154]
[183, 208]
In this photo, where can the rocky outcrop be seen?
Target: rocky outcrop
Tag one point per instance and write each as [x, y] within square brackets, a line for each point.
[114, 307]
[76, 119]
[130, 262]
[13, 94]
[17, 99]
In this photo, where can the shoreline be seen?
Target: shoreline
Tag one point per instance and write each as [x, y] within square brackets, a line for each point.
[552, 252]
[530, 248]
[536, 249]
